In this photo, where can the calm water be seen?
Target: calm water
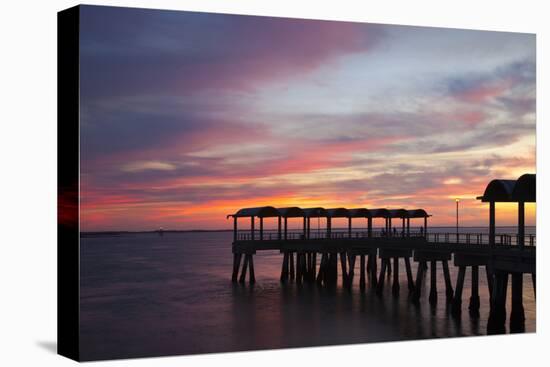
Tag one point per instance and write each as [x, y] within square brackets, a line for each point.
[146, 295]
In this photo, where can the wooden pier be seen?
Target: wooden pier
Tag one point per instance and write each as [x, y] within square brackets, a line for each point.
[502, 255]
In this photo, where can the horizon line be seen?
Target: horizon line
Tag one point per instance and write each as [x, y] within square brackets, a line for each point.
[231, 230]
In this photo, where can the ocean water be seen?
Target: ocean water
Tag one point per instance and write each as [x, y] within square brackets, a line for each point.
[150, 295]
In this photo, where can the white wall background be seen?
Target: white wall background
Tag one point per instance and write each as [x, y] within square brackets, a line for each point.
[28, 182]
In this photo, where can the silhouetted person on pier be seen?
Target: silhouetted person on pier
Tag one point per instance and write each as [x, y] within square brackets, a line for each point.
[394, 231]
[421, 231]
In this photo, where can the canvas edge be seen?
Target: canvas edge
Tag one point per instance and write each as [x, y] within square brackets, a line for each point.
[68, 246]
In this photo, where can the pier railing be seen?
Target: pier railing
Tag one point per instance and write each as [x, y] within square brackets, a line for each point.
[462, 238]
[272, 235]
[481, 238]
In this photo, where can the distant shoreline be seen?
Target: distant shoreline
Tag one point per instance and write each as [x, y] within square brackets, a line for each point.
[106, 233]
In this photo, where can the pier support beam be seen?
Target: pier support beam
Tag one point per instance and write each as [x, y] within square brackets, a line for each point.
[308, 266]
[474, 298]
[291, 262]
[417, 288]
[343, 261]
[313, 266]
[321, 276]
[284, 269]
[517, 316]
[299, 268]
[433, 282]
[497, 316]
[424, 265]
[243, 271]
[362, 281]
[373, 270]
[304, 265]
[351, 271]
[395, 286]
[490, 281]
[236, 266]
[448, 284]
[380, 285]
[252, 276]
[456, 308]
[534, 279]
[334, 268]
[410, 281]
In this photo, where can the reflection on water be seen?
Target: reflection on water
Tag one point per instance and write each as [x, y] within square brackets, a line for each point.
[150, 295]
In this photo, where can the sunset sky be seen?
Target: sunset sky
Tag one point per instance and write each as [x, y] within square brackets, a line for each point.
[187, 117]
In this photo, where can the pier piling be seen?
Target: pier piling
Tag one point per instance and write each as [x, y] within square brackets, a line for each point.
[534, 279]
[351, 273]
[369, 260]
[517, 315]
[448, 284]
[291, 262]
[395, 286]
[490, 280]
[334, 275]
[497, 315]
[373, 270]
[301, 267]
[251, 269]
[410, 281]
[474, 298]
[322, 269]
[362, 281]
[417, 288]
[236, 265]
[243, 271]
[456, 308]
[433, 282]
[380, 285]
[314, 266]
[284, 269]
[345, 278]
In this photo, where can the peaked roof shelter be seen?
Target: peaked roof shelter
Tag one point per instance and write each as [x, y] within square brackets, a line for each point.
[525, 189]
[337, 213]
[361, 213]
[290, 212]
[318, 212]
[417, 213]
[521, 191]
[260, 212]
[397, 213]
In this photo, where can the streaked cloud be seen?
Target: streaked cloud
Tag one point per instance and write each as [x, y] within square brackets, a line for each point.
[147, 166]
